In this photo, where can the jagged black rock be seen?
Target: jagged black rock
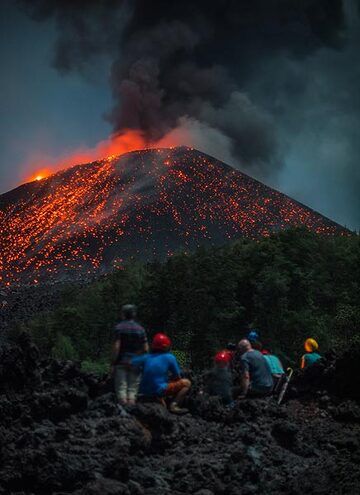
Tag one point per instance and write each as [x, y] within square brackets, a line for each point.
[61, 433]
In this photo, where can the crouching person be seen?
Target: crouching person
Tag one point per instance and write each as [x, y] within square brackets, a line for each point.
[130, 340]
[156, 369]
[256, 378]
[219, 381]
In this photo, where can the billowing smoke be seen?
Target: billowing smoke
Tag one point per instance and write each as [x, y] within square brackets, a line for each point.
[270, 86]
[184, 66]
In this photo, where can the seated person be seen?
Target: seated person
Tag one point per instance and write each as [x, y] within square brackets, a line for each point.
[311, 356]
[156, 368]
[218, 381]
[256, 379]
[275, 366]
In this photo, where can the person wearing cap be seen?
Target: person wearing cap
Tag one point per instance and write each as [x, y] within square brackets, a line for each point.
[156, 369]
[256, 378]
[129, 341]
[311, 355]
[219, 381]
[253, 336]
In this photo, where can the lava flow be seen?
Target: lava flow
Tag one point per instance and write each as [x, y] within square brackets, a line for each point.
[144, 204]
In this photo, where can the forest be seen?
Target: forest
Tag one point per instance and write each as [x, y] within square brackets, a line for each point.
[289, 286]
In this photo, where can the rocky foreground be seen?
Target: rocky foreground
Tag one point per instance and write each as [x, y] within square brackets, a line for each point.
[61, 433]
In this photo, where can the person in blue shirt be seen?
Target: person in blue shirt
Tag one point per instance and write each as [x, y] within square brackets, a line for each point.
[161, 375]
[311, 356]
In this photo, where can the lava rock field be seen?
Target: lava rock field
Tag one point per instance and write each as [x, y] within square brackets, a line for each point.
[61, 433]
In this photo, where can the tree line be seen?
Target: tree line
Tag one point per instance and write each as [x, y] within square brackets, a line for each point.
[290, 286]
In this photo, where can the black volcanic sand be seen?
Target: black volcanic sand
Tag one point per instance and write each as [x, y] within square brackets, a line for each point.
[60, 432]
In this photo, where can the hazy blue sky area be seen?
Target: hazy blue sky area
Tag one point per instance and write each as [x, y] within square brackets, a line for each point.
[293, 102]
[41, 110]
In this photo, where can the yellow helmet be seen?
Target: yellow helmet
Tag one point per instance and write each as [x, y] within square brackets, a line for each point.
[311, 345]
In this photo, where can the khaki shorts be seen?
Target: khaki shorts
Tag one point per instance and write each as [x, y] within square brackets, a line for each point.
[174, 388]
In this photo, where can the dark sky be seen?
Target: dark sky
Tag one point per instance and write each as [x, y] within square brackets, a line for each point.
[270, 86]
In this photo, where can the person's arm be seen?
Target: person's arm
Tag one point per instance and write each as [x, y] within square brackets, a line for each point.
[302, 362]
[245, 377]
[138, 361]
[115, 353]
[146, 345]
[245, 383]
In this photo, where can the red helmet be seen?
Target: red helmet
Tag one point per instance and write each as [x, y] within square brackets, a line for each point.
[161, 342]
[223, 357]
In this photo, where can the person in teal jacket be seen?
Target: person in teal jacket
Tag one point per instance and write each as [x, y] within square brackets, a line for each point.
[311, 356]
[274, 363]
[276, 368]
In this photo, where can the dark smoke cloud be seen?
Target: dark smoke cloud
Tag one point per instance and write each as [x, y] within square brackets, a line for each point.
[186, 64]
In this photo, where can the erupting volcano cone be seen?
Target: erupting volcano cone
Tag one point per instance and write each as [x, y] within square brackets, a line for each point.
[144, 204]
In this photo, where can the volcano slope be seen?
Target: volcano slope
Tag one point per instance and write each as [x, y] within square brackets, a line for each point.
[145, 204]
[61, 433]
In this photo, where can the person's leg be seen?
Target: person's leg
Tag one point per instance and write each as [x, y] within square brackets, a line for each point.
[120, 384]
[133, 381]
[180, 396]
[178, 390]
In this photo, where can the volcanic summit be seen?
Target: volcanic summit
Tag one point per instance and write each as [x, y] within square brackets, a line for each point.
[145, 204]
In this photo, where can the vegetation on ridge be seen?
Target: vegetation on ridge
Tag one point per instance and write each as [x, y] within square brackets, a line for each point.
[292, 285]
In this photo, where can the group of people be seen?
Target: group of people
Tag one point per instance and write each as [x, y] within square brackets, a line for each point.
[152, 372]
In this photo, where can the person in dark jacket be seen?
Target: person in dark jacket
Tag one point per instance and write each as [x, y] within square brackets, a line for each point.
[218, 381]
[129, 341]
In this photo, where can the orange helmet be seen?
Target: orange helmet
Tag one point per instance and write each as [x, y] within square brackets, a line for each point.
[223, 358]
[161, 342]
[311, 345]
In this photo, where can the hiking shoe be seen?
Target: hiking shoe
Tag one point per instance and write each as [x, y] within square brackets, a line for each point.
[176, 409]
[122, 411]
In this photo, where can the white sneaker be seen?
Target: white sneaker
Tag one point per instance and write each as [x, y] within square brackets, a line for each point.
[176, 409]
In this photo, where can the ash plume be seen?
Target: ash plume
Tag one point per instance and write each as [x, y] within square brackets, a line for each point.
[185, 65]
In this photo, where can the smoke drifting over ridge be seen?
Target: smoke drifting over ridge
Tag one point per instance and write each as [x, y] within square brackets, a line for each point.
[214, 72]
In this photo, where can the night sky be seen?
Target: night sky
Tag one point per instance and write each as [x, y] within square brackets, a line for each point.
[270, 86]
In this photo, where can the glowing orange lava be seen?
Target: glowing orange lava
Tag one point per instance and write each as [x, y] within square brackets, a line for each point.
[145, 205]
[39, 175]
[116, 145]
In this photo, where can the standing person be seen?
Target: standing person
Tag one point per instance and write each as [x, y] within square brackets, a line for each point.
[218, 381]
[157, 367]
[256, 379]
[311, 356]
[129, 341]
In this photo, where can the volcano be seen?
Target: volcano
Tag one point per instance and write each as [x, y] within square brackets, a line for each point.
[146, 205]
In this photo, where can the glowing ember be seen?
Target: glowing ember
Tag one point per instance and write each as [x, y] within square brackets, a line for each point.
[144, 204]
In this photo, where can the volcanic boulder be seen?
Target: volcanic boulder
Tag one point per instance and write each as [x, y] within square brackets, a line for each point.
[88, 448]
